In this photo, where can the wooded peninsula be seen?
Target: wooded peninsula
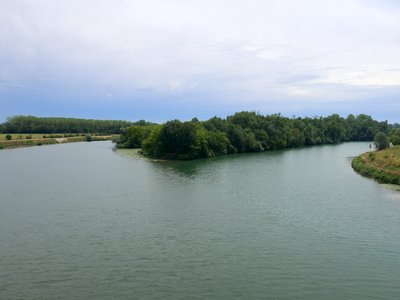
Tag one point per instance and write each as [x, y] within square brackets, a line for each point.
[250, 132]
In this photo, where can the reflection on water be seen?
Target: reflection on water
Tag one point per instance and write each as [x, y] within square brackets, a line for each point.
[194, 168]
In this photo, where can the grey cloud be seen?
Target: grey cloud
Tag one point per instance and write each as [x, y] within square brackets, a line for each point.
[253, 49]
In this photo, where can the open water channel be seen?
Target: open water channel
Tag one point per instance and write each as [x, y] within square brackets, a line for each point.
[81, 221]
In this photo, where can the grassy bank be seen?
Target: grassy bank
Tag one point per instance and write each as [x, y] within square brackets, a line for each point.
[383, 166]
[21, 140]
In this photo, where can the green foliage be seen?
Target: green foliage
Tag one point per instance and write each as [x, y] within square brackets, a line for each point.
[394, 136]
[152, 144]
[296, 138]
[395, 140]
[381, 141]
[31, 124]
[88, 138]
[181, 140]
[8, 137]
[217, 143]
[246, 132]
[133, 136]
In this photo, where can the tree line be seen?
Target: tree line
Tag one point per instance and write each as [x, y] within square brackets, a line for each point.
[31, 124]
[239, 133]
[249, 132]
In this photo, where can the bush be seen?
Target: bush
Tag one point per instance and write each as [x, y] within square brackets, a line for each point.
[381, 141]
[8, 137]
[395, 140]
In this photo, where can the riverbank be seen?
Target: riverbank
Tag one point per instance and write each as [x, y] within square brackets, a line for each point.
[18, 143]
[383, 166]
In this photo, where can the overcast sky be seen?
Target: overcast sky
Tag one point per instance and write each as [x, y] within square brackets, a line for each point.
[164, 59]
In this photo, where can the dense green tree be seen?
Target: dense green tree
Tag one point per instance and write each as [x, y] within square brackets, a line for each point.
[152, 144]
[296, 138]
[245, 120]
[133, 136]
[217, 142]
[31, 124]
[395, 140]
[178, 137]
[262, 137]
[216, 124]
[178, 140]
[381, 141]
[394, 136]
[311, 136]
[249, 132]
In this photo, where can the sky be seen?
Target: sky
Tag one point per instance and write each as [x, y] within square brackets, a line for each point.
[165, 59]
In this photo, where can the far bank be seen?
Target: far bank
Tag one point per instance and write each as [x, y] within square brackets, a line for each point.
[19, 140]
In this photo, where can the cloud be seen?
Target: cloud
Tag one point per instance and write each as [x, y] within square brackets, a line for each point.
[240, 51]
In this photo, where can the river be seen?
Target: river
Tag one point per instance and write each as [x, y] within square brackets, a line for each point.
[81, 221]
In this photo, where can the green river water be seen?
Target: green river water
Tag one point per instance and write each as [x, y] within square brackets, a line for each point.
[81, 221]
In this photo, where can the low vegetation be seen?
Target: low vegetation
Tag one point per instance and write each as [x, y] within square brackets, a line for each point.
[383, 166]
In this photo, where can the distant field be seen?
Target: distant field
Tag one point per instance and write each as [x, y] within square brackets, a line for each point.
[26, 136]
[384, 166]
[27, 139]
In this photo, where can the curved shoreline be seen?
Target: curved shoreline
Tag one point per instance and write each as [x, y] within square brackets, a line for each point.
[383, 166]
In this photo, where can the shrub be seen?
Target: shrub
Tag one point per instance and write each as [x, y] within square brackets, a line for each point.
[381, 141]
[372, 156]
[8, 137]
[395, 140]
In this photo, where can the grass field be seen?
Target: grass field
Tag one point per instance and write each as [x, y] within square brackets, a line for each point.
[384, 166]
[26, 136]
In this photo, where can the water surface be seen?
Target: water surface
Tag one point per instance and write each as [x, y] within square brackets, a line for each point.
[81, 221]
